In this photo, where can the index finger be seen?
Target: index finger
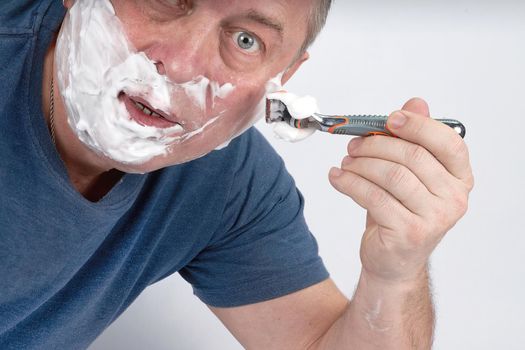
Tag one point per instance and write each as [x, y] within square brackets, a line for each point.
[439, 139]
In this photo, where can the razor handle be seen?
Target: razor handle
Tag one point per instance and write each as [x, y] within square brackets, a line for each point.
[367, 125]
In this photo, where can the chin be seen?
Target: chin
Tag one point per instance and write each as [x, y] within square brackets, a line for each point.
[215, 137]
[177, 155]
[152, 165]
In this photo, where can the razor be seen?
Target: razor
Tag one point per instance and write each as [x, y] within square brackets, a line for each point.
[356, 125]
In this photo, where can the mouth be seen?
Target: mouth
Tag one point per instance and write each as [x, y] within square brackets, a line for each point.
[141, 112]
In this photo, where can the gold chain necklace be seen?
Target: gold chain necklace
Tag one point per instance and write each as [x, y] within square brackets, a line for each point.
[52, 111]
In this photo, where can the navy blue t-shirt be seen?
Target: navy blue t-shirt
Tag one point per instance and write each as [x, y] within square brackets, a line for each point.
[231, 223]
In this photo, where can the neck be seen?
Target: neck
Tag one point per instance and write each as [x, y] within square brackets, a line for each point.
[90, 174]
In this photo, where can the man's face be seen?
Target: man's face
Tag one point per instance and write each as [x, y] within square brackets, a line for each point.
[242, 42]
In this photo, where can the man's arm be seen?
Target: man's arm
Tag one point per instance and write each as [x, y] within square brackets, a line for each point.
[320, 317]
[383, 316]
[414, 188]
[294, 321]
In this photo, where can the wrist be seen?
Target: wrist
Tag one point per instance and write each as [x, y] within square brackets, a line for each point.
[382, 303]
[408, 280]
[392, 292]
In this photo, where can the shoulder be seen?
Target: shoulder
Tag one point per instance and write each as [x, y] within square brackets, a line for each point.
[26, 16]
[259, 184]
[255, 154]
[220, 186]
[259, 173]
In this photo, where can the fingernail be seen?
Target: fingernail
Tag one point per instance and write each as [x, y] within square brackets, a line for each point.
[336, 172]
[347, 160]
[355, 143]
[397, 120]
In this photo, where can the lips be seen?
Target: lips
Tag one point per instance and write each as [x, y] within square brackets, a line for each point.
[140, 111]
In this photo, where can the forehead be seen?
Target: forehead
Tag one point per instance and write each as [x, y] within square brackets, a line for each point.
[146, 28]
[291, 16]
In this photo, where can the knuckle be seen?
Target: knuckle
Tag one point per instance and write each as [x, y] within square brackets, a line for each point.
[351, 182]
[420, 125]
[361, 145]
[396, 176]
[441, 218]
[376, 197]
[458, 148]
[470, 182]
[415, 234]
[343, 182]
[402, 178]
[415, 154]
[460, 204]
[350, 146]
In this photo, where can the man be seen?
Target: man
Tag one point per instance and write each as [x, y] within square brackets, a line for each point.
[89, 219]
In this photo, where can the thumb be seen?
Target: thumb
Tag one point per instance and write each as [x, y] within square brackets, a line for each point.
[418, 106]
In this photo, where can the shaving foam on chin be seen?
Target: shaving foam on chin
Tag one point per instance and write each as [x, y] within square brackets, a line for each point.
[95, 64]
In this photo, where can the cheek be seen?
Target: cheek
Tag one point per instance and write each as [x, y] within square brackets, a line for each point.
[241, 106]
[134, 18]
[238, 112]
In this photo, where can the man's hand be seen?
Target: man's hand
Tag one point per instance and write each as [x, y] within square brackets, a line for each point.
[414, 188]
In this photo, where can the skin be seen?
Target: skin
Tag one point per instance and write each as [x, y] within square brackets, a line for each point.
[414, 189]
[205, 46]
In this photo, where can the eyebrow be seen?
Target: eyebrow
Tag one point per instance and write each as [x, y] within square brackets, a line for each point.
[258, 17]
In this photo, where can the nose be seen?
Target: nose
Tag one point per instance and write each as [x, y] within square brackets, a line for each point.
[185, 5]
[160, 68]
[184, 51]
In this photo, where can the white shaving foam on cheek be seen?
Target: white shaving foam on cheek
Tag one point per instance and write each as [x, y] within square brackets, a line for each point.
[219, 91]
[95, 63]
[299, 108]
[273, 85]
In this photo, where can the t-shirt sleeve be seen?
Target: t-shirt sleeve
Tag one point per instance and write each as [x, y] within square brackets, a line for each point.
[265, 249]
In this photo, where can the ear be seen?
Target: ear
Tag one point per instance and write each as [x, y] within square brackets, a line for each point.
[68, 3]
[294, 67]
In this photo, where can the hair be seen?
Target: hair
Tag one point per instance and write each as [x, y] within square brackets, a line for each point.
[317, 20]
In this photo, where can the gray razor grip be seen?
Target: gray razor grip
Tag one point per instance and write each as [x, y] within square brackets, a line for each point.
[365, 125]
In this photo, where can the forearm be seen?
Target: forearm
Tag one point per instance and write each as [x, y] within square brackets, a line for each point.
[384, 316]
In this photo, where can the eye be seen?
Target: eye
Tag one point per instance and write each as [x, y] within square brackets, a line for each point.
[247, 42]
[167, 10]
[183, 5]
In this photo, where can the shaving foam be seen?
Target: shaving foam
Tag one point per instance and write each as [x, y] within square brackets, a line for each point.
[299, 107]
[96, 63]
[271, 86]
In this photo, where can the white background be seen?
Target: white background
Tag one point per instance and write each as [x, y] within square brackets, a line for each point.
[467, 58]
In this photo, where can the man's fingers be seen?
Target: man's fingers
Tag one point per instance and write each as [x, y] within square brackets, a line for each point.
[396, 179]
[381, 205]
[420, 161]
[439, 139]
